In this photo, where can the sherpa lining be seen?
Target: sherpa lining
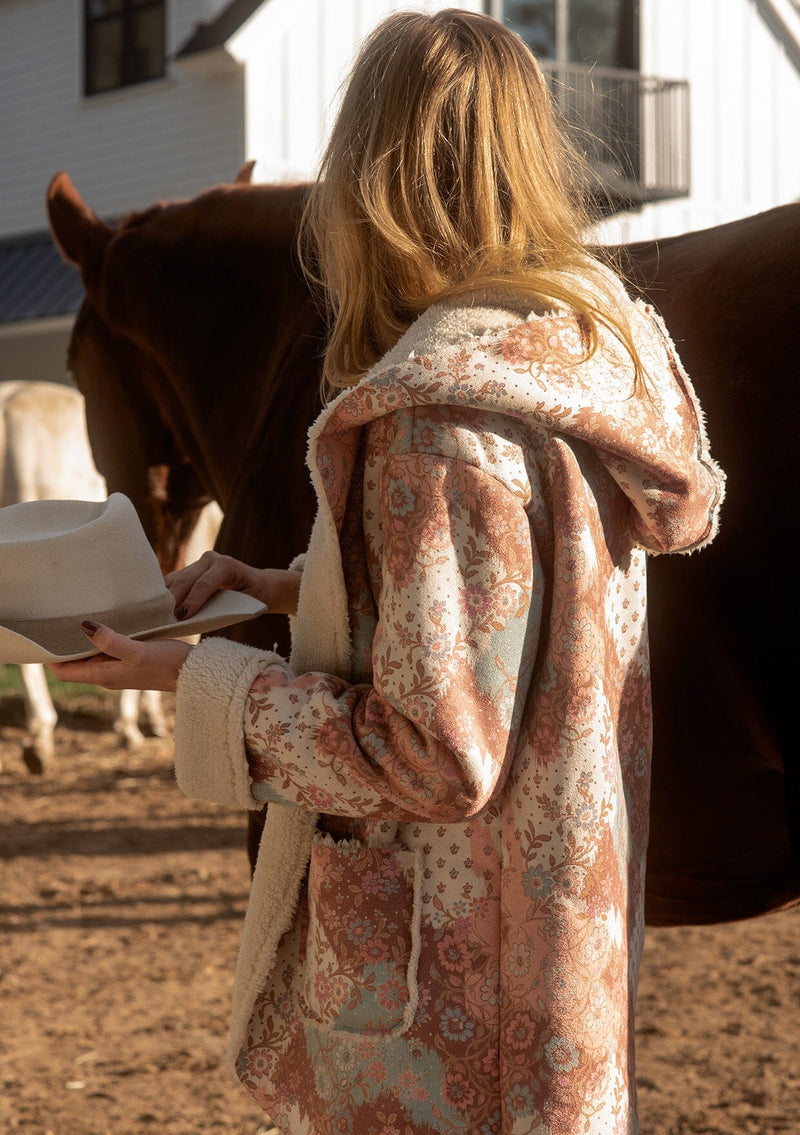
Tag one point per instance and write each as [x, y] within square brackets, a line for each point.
[213, 684]
[211, 759]
[280, 870]
[211, 764]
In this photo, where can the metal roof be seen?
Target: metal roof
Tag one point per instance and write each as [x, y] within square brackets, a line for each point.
[35, 282]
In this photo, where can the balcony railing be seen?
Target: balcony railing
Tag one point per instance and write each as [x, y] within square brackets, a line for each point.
[633, 129]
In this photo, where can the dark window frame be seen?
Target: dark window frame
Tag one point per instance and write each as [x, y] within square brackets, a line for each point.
[129, 74]
[629, 46]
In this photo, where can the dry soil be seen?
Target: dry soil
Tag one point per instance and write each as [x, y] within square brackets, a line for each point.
[121, 908]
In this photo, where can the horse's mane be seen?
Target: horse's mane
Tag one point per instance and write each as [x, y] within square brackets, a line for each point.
[232, 209]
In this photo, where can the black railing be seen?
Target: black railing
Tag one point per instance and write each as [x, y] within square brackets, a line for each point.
[633, 129]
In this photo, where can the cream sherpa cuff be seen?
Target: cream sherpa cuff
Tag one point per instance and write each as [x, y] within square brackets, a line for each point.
[213, 684]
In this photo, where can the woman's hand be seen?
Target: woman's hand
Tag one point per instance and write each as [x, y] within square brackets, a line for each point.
[194, 585]
[133, 664]
[126, 663]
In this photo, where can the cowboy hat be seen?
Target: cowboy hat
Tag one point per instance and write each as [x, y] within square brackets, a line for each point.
[64, 561]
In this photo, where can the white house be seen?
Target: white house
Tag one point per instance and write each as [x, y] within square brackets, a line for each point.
[689, 112]
[741, 59]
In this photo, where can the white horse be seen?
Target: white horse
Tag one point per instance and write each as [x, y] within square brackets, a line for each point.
[45, 455]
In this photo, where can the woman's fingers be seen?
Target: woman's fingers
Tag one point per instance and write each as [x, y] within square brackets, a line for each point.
[180, 583]
[126, 663]
[100, 670]
[111, 643]
[118, 653]
[195, 585]
[192, 586]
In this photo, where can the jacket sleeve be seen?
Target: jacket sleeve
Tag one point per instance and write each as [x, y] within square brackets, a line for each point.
[459, 610]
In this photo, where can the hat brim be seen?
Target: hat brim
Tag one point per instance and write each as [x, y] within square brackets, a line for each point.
[222, 610]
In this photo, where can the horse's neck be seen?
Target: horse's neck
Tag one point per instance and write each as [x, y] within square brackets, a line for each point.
[225, 413]
[207, 434]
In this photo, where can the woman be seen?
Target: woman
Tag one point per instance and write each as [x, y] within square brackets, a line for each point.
[446, 917]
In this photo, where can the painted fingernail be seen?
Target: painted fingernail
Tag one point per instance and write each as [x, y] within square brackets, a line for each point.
[90, 628]
[182, 611]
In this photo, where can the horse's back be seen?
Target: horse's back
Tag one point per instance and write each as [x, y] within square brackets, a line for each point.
[44, 445]
[726, 777]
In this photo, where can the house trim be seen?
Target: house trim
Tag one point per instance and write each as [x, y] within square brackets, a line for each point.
[783, 20]
[25, 327]
[215, 33]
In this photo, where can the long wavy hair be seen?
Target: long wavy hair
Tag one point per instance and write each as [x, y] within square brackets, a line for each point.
[447, 171]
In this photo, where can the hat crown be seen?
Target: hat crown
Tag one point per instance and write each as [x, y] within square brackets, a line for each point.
[68, 557]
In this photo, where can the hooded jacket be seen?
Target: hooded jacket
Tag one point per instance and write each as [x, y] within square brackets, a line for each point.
[446, 916]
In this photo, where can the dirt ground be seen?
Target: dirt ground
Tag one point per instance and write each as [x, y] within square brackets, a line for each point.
[121, 907]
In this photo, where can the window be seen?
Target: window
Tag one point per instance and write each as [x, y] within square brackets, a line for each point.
[124, 43]
[594, 32]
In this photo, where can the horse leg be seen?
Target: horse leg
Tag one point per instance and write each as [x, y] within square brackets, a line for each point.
[152, 713]
[40, 714]
[127, 724]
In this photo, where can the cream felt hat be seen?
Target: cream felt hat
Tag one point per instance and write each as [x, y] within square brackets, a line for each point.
[65, 561]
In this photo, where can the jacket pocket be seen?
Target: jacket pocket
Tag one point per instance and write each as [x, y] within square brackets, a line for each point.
[363, 936]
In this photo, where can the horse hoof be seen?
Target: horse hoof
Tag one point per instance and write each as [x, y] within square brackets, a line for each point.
[33, 759]
[155, 729]
[130, 739]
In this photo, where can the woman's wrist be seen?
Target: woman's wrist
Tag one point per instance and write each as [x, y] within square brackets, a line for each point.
[279, 590]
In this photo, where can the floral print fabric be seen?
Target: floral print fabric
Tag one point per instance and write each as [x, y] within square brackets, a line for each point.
[465, 950]
[425, 735]
[363, 935]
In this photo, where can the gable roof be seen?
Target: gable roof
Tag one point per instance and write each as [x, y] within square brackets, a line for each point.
[216, 32]
[35, 282]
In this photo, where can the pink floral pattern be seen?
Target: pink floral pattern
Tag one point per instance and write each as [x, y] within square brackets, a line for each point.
[362, 937]
[465, 952]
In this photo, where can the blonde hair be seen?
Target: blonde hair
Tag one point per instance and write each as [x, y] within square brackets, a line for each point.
[446, 172]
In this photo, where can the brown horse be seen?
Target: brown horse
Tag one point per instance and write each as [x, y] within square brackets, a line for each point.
[207, 398]
[198, 348]
[726, 772]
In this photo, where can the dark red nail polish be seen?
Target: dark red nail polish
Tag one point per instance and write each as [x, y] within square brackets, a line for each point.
[182, 611]
[90, 628]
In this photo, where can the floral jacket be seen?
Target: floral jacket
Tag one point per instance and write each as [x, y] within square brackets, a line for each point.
[447, 913]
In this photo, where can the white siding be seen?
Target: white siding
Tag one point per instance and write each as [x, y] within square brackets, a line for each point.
[745, 98]
[176, 136]
[125, 149]
[745, 109]
[297, 53]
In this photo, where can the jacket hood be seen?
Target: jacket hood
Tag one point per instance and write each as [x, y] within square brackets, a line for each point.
[495, 354]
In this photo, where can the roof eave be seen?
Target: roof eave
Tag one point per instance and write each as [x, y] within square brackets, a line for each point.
[214, 35]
